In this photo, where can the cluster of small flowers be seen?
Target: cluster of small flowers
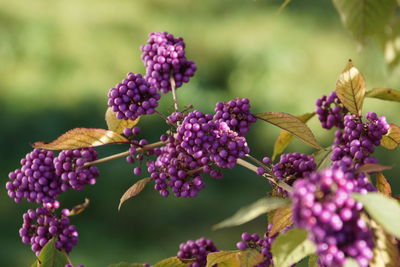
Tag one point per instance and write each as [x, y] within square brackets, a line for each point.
[291, 167]
[133, 97]
[196, 250]
[358, 140]
[164, 58]
[69, 166]
[331, 111]
[261, 244]
[40, 225]
[322, 204]
[36, 180]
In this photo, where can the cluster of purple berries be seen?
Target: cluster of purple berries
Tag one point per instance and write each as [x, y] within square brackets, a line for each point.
[358, 140]
[69, 165]
[41, 225]
[322, 204]
[261, 244]
[291, 167]
[164, 58]
[196, 250]
[36, 180]
[133, 97]
[331, 111]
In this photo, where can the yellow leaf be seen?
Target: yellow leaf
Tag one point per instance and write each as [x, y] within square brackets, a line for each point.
[383, 185]
[116, 125]
[373, 167]
[134, 190]
[384, 94]
[83, 137]
[392, 139]
[79, 208]
[291, 124]
[350, 88]
[280, 219]
[223, 259]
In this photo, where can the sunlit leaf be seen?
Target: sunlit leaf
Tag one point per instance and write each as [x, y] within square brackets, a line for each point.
[134, 190]
[51, 257]
[392, 139]
[116, 125]
[350, 262]
[322, 158]
[383, 185]
[126, 264]
[285, 138]
[171, 262]
[350, 89]
[373, 167]
[291, 247]
[384, 210]
[223, 259]
[384, 94]
[291, 124]
[83, 137]
[249, 258]
[252, 211]
[79, 208]
[365, 18]
[280, 219]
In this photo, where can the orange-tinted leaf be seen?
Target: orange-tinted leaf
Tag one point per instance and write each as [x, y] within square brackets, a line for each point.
[350, 88]
[291, 124]
[384, 94]
[79, 208]
[134, 190]
[373, 167]
[285, 137]
[383, 185]
[392, 139]
[83, 137]
[281, 218]
[116, 125]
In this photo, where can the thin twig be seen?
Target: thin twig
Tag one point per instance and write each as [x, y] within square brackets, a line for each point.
[259, 163]
[175, 99]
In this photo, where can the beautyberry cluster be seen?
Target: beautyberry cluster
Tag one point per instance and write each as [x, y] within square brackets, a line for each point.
[164, 58]
[69, 165]
[197, 250]
[36, 180]
[322, 204]
[133, 97]
[41, 225]
[331, 111]
[261, 244]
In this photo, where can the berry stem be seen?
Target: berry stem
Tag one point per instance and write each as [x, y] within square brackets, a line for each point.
[172, 81]
[259, 163]
[268, 176]
[124, 154]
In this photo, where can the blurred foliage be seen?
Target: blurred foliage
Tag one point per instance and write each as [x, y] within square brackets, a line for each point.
[59, 58]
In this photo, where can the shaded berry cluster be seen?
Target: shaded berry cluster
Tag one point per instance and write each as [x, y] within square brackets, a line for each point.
[164, 58]
[291, 167]
[69, 165]
[263, 245]
[197, 250]
[236, 114]
[36, 180]
[133, 97]
[331, 111]
[358, 140]
[41, 225]
[322, 204]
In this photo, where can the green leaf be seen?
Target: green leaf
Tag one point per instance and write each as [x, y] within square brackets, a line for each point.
[252, 211]
[350, 89]
[285, 138]
[382, 184]
[134, 190]
[384, 94]
[116, 125]
[373, 167]
[83, 137]
[322, 158]
[235, 258]
[291, 124]
[391, 43]
[350, 263]
[281, 218]
[36, 263]
[126, 264]
[171, 262]
[384, 210]
[50, 256]
[392, 139]
[249, 258]
[365, 18]
[291, 247]
[79, 208]
[313, 261]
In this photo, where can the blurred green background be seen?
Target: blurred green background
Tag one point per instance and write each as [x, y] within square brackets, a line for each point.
[59, 59]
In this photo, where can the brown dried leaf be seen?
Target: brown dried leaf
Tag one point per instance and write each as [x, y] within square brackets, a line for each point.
[350, 88]
[384, 94]
[281, 218]
[285, 138]
[392, 139]
[83, 137]
[134, 190]
[291, 124]
[383, 185]
[79, 208]
[116, 125]
[373, 167]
